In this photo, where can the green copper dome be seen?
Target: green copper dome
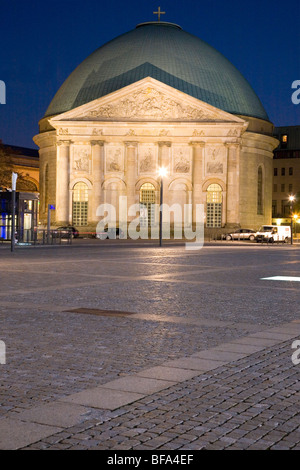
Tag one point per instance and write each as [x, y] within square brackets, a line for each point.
[167, 53]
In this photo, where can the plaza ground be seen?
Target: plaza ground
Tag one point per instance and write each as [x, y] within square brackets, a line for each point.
[127, 345]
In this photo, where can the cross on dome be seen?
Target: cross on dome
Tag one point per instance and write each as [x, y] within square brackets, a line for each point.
[158, 13]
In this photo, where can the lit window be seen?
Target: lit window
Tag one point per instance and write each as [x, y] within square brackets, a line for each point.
[80, 204]
[147, 201]
[214, 206]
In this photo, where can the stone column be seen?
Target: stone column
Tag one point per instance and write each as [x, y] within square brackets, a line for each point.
[164, 161]
[97, 159]
[197, 177]
[130, 173]
[62, 182]
[233, 185]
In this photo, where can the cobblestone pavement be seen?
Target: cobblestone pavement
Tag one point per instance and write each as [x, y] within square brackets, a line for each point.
[182, 303]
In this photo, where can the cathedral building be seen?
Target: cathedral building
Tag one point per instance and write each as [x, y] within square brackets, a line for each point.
[155, 97]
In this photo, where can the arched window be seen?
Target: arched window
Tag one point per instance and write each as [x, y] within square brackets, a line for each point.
[260, 207]
[80, 204]
[147, 201]
[214, 206]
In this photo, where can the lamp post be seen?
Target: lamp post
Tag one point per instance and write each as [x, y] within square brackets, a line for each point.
[296, 217]
[162, 172]
[13, 210]
[292, 200]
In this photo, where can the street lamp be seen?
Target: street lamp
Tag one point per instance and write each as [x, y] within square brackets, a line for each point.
[13, 210]
[292, 200]
[161, 172]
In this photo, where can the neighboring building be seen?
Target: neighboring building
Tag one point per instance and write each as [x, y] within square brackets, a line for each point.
[23, 161]
[26, 215]
[156, 96]
[26, 162]
[286, 171]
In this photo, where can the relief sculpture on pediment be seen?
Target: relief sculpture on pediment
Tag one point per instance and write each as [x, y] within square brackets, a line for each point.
[150, 103]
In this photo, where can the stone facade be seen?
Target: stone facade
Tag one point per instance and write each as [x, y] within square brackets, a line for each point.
[115, 144]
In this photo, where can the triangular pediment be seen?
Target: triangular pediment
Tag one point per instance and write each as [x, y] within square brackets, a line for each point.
[146, 100]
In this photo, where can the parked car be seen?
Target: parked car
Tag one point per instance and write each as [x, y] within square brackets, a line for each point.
[110, 233]
[66, 232]
[241, 234]
[274, 233]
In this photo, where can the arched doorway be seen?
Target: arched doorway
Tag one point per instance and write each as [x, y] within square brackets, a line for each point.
[80, 204]
[214, 206]
[147, 208]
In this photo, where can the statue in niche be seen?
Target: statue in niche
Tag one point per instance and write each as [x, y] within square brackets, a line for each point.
[182, 164]
[113, 164]
[147, 162]
[81, 163]
[215, 167]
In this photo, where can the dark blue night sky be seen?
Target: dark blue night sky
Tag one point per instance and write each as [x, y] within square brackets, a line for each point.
[42, 43]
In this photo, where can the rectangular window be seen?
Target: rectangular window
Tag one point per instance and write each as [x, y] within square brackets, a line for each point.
[80, 213]
[275, 171]
[283, 188]
[285, 208]
[291, 171]
[284, 141]
[290, 188]
[282, 171]
[214, 215]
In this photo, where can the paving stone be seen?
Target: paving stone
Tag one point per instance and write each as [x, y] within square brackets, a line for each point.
[168, 373]
[220, 355]
[246, 349]
[15, 434]
[138, 384]
[195, 363]
[103, 398]
[63, 415]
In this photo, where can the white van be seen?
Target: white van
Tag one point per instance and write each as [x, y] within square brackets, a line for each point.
[273, 233]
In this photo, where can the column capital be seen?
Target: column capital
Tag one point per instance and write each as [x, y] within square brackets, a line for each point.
[197, 143]
[97, 142]
[131, 143]
[164, 144]
[64, 142]
[232, 144]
